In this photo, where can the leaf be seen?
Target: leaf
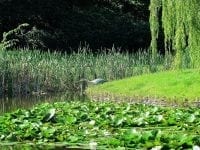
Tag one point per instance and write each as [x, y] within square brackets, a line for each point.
[195, 147]
[92, 122]
[158, 118]
[191, 118]
[71, 119]
[171, 121]
[73, 139]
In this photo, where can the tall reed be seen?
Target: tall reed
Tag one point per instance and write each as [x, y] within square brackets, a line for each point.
[24, 72]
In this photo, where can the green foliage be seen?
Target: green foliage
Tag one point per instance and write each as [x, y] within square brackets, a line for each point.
[154, 24]
[101, 27]
[180, 22]
[98, 23]
[104, 124]
[12, 38]
[25, 36]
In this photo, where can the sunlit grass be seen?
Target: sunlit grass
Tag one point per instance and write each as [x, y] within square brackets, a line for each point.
[170, 85]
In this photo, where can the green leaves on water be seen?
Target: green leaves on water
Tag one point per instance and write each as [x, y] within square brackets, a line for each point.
[109, 124]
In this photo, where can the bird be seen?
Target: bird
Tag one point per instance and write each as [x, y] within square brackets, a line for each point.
[95, 81]
[84, 83]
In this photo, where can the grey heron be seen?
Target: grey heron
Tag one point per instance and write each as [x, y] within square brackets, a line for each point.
[84, 83]
[95, 81]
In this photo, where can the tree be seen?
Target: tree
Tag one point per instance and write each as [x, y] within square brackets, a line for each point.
[99, 23]
[180, 21]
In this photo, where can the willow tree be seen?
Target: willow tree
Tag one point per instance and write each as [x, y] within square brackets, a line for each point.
[180, 21]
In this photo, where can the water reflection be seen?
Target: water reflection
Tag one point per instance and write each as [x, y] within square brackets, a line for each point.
[11, 104]
[20, 146]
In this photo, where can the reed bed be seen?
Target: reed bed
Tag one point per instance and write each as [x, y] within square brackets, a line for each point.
[24, 72]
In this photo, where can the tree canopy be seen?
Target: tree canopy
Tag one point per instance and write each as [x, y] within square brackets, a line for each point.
[69, 22]
[180, 22]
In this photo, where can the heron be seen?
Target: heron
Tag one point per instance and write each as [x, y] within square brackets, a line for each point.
[84, 83]
[97, 81]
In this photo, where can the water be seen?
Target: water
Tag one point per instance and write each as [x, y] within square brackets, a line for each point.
[31, 146]
[12, 104]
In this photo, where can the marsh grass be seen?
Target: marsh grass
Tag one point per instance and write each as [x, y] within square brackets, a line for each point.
[25, 72]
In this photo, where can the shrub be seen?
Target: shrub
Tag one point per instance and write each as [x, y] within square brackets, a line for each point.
[69, 23]
[25, 36]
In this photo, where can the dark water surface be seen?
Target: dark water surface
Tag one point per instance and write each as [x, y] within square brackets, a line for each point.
[12, 104]
[28, 146]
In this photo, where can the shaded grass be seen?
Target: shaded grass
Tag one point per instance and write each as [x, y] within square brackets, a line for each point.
[171, 85]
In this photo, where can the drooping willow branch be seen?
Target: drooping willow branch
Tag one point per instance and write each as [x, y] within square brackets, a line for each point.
[180, 21]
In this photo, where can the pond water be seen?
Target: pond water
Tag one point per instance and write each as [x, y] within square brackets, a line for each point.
[29, 146]
[12, 104]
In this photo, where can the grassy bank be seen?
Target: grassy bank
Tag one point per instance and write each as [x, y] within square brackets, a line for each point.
[170, 85]
[23, 72]
[106, 125]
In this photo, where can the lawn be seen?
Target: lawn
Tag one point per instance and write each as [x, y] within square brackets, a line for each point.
[170, 85]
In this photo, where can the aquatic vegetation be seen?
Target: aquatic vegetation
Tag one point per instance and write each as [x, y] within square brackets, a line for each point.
[33, 72]
[103, 124]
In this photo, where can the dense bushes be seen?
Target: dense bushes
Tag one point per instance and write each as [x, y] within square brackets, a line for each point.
[25, 36]
[98, 23]
[103, 28]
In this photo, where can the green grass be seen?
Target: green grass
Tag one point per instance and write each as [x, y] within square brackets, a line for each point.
[174, 85]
